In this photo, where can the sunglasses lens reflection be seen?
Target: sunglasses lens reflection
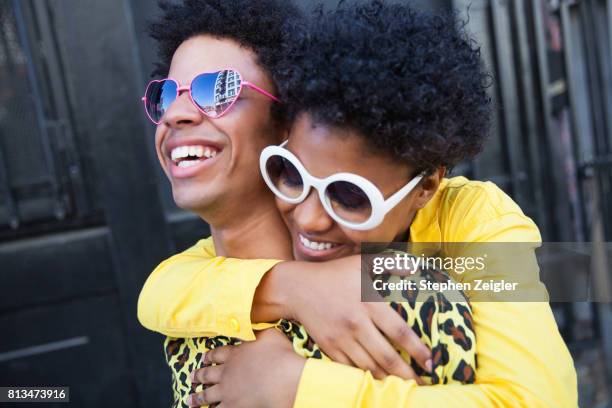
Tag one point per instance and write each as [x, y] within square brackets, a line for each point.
[159, 96]
[349, 201]
[285, 177]
[215, 92]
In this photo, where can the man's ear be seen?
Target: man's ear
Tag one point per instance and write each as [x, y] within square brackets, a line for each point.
[428, 186]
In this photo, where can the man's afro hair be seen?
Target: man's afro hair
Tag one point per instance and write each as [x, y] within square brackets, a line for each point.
[260, 25]
[410, 82]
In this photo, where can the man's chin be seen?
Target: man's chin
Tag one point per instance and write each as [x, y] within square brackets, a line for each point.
[196, 205]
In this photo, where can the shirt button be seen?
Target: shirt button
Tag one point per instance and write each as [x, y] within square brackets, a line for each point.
[234, 324]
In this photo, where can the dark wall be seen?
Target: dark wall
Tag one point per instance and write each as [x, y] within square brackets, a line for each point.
[69, 299]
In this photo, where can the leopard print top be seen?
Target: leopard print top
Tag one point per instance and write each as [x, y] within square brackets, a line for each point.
[445, 326]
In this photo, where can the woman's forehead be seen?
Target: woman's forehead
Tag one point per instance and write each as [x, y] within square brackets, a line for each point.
[325, 150]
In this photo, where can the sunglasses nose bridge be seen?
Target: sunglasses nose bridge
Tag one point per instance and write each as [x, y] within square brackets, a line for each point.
[182, 89]
[312, 182]
[321, 186]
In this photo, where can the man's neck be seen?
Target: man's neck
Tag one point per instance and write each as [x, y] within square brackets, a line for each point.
[258, 233]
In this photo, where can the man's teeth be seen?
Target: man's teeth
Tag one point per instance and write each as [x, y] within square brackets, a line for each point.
[197, 151]
[187, 163]
[316, 246]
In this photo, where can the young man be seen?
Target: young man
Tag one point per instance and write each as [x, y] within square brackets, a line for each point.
[209, 147]
[382, 69]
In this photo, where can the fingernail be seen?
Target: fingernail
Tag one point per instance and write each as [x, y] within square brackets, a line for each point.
[428, 365]
[204, 358]
[192, 376]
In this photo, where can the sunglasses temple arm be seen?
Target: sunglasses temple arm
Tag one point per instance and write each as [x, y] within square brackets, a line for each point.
[261, 91]
[402, 193]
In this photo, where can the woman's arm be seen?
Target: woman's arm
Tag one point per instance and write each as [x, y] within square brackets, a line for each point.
[195, 294]
[522, 361]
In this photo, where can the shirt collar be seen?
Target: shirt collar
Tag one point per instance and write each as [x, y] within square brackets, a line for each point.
[208, 246]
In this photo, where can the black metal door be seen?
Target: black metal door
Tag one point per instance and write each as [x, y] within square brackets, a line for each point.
[83, 216]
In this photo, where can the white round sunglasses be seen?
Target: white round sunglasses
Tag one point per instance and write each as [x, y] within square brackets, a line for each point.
[351, 200]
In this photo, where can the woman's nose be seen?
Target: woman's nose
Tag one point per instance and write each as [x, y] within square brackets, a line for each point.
[310, 216]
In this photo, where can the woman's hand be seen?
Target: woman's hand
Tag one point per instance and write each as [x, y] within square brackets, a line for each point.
[326, 298]
[263, 373]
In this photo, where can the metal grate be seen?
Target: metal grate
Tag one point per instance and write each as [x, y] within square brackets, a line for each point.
[26, 159]
[551, 146]
[40, 177]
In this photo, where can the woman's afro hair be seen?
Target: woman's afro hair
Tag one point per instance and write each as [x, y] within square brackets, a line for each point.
[410, 82]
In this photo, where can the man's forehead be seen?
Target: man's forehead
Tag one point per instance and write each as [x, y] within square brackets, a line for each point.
[209, 54]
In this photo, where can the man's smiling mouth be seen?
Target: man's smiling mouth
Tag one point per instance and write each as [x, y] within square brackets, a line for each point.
[187, 156]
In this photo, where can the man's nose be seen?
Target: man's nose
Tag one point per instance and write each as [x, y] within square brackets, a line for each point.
[182, 112]
[310, 216]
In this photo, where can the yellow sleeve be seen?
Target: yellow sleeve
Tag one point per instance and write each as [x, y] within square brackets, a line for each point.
[522, 359]
[521, 362]
[197, 294]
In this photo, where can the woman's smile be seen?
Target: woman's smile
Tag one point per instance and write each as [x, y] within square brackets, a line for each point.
[317, 248]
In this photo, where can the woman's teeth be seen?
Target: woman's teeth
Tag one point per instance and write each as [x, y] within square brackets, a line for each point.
[186, 156]
[316, 246]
